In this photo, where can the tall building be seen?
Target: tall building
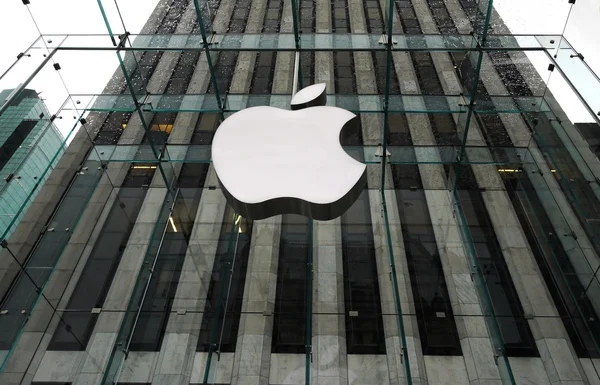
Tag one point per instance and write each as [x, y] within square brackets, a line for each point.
[30, 143]
[470, 258]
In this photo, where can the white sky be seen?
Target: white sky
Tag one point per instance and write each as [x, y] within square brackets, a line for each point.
[88, 73]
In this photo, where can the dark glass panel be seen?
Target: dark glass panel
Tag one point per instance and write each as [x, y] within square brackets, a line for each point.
[290, 307]
[579, 317]
[514, 328]
[98, 273]
[364, 323]
[155, 309]
[435, 317]
[14, 141]
[223, 308]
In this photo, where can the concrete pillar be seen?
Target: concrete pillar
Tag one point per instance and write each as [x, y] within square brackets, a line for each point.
[176, 358]
[330, 365]
[253, 351]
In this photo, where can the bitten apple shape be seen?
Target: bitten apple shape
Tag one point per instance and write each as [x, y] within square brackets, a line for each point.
[271, 161]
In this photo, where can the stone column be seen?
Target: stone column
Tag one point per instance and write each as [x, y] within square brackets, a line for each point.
[329, 333]
[253, 351]
[330, 365]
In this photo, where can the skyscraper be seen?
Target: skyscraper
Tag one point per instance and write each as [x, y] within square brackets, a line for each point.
[30, 144]
[470, 258]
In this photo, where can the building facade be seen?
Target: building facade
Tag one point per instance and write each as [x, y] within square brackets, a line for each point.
[30, 144]
[470, 258]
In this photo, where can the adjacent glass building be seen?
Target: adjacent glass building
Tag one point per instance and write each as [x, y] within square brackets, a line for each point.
[30, 148]
[470, 258]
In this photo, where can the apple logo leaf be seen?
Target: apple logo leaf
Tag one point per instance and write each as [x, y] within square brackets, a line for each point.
[271, 161]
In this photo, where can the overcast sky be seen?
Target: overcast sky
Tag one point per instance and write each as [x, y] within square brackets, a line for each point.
[88, 72]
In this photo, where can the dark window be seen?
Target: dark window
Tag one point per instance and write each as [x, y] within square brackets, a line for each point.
[205, 128]
[97, 275]
[160, 127]
[41, 261]
[573, 305]
[289, 327]
[221, 318]
[193, 175]
[364, 323]
[113, 127]
[14, 141]
[262, 78]
[514, 328]
[437, 328]
[154, 315]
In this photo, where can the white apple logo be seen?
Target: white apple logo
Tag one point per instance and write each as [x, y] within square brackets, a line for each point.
[271, 161]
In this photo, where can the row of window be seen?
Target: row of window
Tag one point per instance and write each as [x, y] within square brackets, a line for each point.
[578, 315]
[78, 320]
[361, 287]
[145, 64]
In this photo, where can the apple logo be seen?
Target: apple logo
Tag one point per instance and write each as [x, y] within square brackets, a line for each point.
[271, 161]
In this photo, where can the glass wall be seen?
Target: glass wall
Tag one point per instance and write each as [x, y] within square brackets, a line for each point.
[478, 224]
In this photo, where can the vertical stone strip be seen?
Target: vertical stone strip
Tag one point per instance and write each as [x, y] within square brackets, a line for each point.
[253, 351]
[330, 364]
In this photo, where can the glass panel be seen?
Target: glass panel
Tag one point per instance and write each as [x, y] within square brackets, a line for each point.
[221, 317]
[364, 323]
[563, 270]
[308, 41]
[435, 317]
[289, 329]
[78, 322]
[23, 297]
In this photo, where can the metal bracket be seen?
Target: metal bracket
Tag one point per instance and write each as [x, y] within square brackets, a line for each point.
[379, 152]
[384, 39]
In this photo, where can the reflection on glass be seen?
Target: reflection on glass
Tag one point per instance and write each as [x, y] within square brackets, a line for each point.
[364, 323]
[564, 284]
[156, 307]
[516, 334]
[437, 328]
[290, 307]
[222, 312]
[78, 322]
